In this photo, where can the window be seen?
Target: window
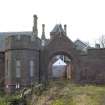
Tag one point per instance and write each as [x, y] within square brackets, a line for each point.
[18, 67]
[31, 68]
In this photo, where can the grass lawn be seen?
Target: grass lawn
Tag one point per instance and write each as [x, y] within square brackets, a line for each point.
[66, 93]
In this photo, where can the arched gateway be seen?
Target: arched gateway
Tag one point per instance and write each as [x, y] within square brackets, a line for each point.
[59, 44]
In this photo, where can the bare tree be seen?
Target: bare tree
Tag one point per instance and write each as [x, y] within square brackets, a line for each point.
[102, 41]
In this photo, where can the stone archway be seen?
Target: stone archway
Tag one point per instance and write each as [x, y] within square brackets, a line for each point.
[59, 44]
[64, 59]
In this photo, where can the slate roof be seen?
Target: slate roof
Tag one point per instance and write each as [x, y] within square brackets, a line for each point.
[3, 35]
[82, 43]
[83, 46]
[58, 28]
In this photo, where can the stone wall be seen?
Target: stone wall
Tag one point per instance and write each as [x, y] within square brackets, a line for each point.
[60, 44]
[86, 68]
[2, 67]
[93, 66]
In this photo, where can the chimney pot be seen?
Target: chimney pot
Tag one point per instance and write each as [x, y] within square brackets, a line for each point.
[35, 30]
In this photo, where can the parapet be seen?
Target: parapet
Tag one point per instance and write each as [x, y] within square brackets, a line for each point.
[97, 52]
[21, 42]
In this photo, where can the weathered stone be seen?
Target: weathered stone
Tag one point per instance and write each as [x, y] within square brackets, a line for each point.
[86, 68]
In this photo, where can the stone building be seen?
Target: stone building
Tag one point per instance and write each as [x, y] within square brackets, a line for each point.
[25, 58]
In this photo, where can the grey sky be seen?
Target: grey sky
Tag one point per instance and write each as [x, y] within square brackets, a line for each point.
[85, 18]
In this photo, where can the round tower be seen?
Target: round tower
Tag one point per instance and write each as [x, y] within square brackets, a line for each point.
[21, 62]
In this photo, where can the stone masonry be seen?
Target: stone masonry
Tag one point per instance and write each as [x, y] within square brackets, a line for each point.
[26, 59]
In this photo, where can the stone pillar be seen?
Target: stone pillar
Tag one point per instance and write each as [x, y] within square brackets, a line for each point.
[43, 29]
[43, 32]
[43, 38]
[35, 30]
[65, 29]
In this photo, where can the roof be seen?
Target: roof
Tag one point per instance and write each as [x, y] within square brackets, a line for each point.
[3, 35]
[58, 28]
[59, 62]
[80, 42]
[15, 33]
[81, 46]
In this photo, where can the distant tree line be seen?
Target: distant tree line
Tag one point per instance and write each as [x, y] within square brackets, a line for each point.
[102, 41]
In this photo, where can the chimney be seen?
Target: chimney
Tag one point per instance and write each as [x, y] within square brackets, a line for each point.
[65, 29]
[35, 30]
[43, 32]
[43, 29]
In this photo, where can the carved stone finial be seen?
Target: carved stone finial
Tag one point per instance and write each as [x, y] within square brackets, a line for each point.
[65, 29]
